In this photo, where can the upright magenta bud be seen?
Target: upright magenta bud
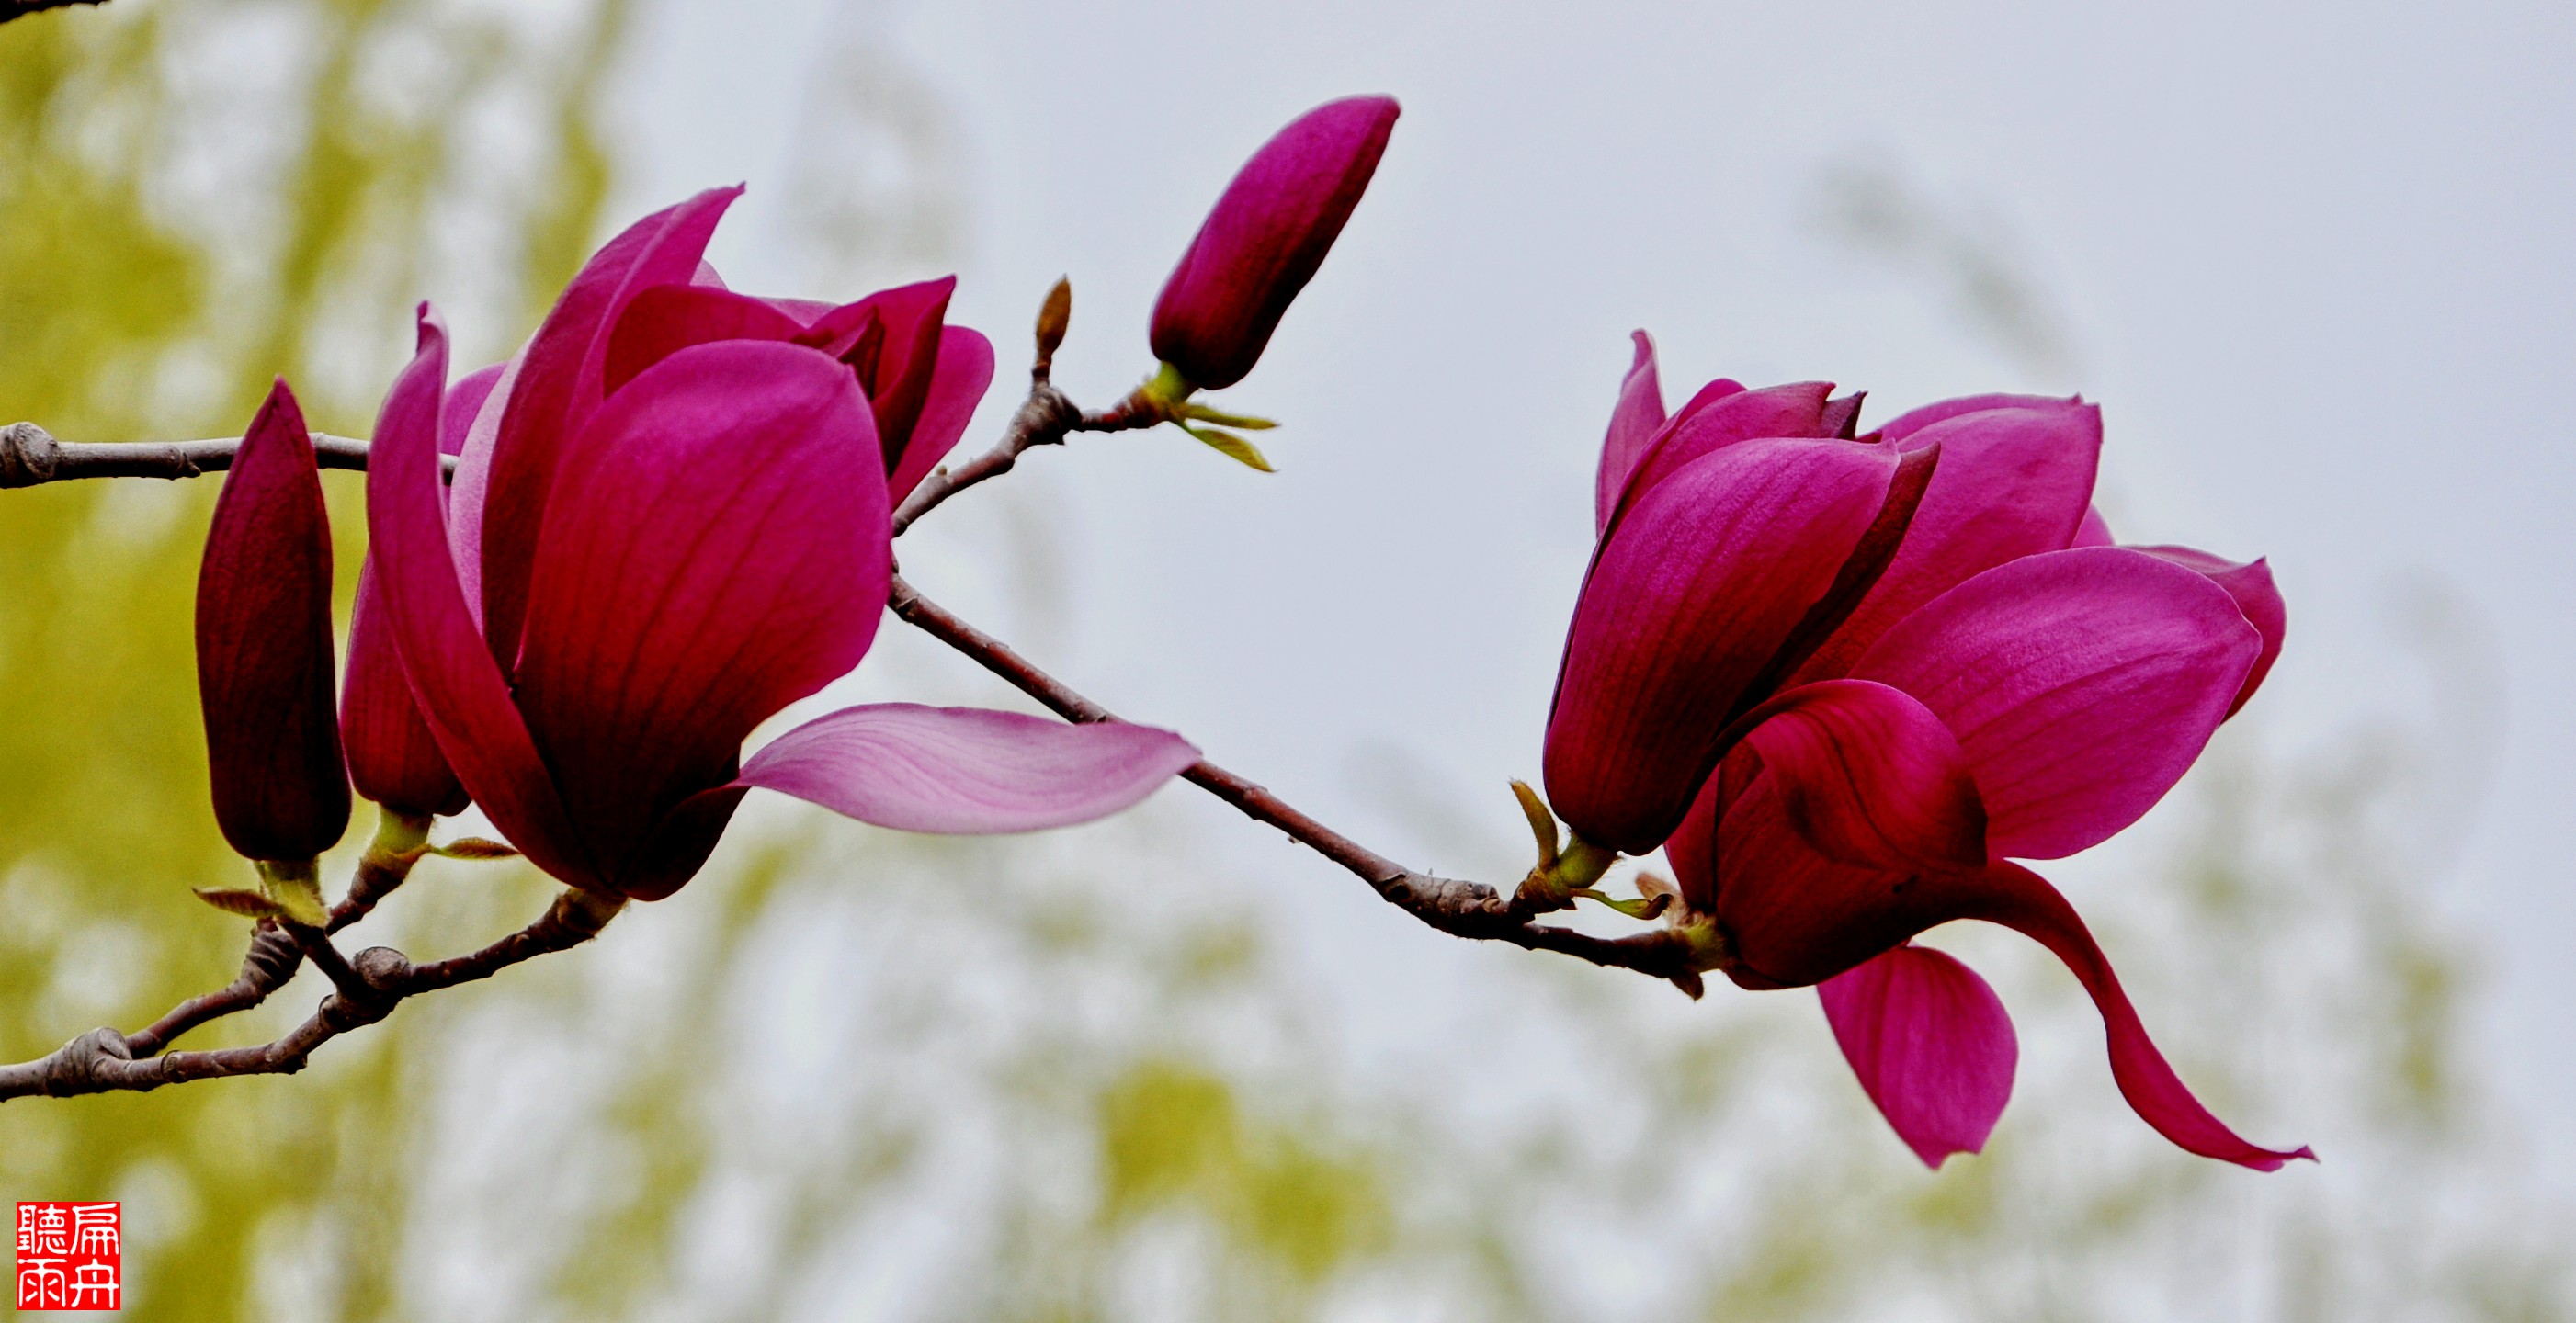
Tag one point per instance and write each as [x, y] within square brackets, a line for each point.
[393, 759]
[1265, 239]
[264, 647]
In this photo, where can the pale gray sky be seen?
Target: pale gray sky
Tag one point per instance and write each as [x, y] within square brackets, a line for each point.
[2313, 260]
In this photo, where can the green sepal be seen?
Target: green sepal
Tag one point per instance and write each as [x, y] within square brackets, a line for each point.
[295, 888]
[1542, 823]
[1202, 414]
[1231, 446]
[243, 901]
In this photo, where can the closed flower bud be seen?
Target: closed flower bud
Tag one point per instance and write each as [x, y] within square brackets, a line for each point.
[1265, 239]
[264, 647]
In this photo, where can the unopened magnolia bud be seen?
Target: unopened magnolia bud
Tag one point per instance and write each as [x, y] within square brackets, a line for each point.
[1265, 238]
[1054, 317]
[264, 666]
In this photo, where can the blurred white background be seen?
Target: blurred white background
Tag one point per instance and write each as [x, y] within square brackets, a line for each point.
[2314, 261]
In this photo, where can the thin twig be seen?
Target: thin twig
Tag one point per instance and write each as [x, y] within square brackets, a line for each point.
[1461, 909]
[1045, 418]
[31, 457]
[369, 988]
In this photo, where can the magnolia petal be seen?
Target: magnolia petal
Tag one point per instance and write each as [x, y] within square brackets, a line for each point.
[1907, 424]
[2011, 483]
[897, 360]
[2021, 900]
[2081, 683]
[464, 400]
[1796, 410]
[1692, 849]
[462, 696]
[666, 319]
[472, 479]
[556, 388]
[393, 757]
[957, 385]
[716, 549]
[264, 673]
[1697, 587]
[966, 771]
[1931, 1045]
[2095, 531]
[1869, 776]
[1633, 423]
[1792, 916]
[2251, 585]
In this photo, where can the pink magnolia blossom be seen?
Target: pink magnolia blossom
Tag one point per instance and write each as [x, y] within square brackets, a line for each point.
[1265, 239]
[264, 647]
[1845, 682]
[659, 539]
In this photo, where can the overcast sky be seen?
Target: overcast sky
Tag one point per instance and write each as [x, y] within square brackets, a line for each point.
[2313, 260]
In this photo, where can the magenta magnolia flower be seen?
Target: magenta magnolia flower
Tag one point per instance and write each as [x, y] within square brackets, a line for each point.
[1844, 682]
[670, 521]
[264, 647]
[1265, 239]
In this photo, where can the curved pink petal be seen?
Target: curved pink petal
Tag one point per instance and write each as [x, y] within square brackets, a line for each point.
[2081, 683]
[2021, 900]
[716, 549]
[2011, 483]
[393, 757]
[2251, 585]
[1907, 424]
[1705, 576]
[461, 693]
[464, 400]
[966, 771]
[1633, 422]
[1796, 410]
[897, 357]
[472, 480]
[2095, 531]
[1841, 416]
[555, 388]
[264, 646]
[666, 319]
[957, 385]
[1931, 1045]
[1869, 776]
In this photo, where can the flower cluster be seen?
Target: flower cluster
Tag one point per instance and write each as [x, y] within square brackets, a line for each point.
[1844, 680]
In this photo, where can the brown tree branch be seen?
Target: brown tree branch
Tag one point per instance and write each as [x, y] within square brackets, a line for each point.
[1461, 909]
[31, 457]
[369, 988]
[10, 9]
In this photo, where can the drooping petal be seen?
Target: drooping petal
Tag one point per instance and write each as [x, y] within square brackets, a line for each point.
[264, 663]
[2081, 683]
[2012, 483]
[1792, 917]
[393, 757]
[2095, 531]
[966, 771]
[555, 388]
[2019, 899]
[964, 371]
[1703, 579]
[1869, 776]
[1266, 237]
[1633, 422]
[2251, 586]
[666, 319]
[462, 696]
[716, 549]
[1931, 1045]
[1796, 410]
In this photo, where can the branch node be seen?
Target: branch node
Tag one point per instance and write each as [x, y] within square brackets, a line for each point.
[28, 454]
